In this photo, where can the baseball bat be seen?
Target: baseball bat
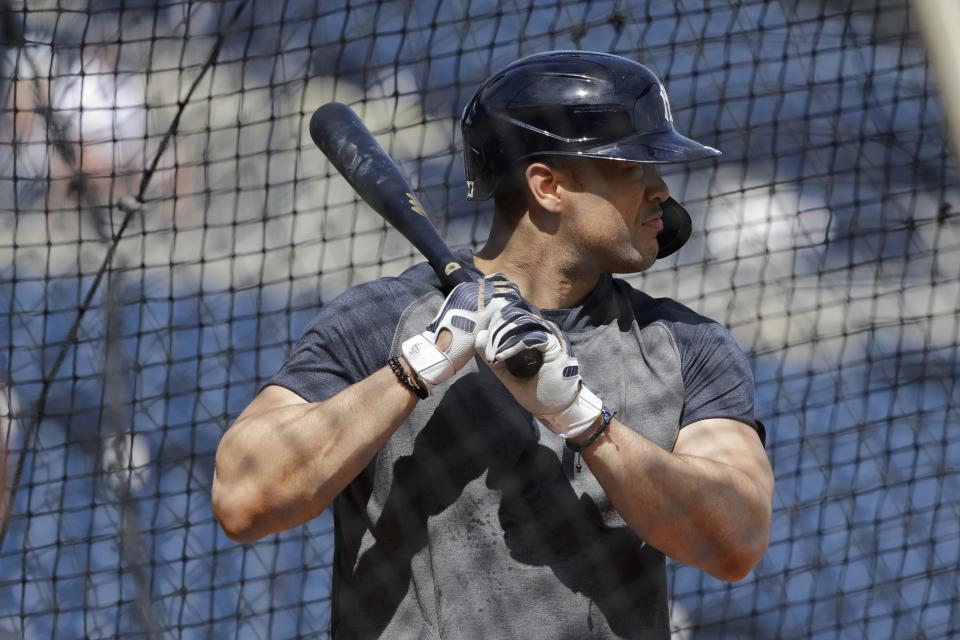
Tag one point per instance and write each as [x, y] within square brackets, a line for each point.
[376, 178]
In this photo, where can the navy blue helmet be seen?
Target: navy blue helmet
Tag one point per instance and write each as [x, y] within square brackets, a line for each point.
[575, 103]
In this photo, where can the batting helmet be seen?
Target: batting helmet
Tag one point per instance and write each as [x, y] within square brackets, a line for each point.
[575, 103]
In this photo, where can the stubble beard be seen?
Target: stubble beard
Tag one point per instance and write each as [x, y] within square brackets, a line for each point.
[624, 251]
[636, 263]
[633, 257]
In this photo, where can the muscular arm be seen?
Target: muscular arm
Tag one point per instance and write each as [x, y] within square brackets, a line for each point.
[706, 504]
[284, 459]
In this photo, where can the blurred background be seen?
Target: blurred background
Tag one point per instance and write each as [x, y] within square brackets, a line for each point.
[167, 229]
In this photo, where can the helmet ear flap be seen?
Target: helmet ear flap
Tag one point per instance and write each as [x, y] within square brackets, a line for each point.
[473, 155]
[677, 227]
[473, 161]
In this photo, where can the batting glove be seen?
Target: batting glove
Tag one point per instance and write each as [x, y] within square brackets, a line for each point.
[556, 395]
[465, 312]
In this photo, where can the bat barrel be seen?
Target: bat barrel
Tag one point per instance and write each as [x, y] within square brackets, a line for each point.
[359, 158]
[352, 149]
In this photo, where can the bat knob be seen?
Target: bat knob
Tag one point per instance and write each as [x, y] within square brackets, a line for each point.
[525, 364]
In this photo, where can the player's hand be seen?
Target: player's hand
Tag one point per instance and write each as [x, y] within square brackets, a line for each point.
[449, 340]
[556, 395]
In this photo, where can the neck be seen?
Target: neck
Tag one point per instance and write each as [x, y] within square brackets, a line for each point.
[548, 273]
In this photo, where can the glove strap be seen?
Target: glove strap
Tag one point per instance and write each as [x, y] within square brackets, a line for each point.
[431, 365]
[578, 417]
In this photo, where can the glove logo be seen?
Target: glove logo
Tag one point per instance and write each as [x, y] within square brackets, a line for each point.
[450, 267]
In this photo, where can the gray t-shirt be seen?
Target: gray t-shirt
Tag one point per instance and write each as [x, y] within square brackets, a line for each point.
[472, 521]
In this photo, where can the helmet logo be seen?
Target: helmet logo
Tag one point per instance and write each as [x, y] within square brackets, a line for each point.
[666, 105]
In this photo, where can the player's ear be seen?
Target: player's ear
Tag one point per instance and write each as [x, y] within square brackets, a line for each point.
[543, 182]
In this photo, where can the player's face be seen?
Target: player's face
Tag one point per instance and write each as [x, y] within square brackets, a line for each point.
[615, 213]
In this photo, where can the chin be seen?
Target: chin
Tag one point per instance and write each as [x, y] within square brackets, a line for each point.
[634, 262]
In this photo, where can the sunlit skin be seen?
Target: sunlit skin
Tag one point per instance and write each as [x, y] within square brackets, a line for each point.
[706, 503]
[616, 214]
[585, 217]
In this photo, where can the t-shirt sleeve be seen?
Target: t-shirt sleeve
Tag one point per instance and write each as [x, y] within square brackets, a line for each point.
[346, 341]
[717, 379]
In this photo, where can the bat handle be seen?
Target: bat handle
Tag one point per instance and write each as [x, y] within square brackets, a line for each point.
[525, 364]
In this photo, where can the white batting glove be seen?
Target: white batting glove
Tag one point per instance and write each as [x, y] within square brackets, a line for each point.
[556, 395]
[465, 313]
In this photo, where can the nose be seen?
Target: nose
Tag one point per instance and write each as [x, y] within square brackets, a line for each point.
[657, 190]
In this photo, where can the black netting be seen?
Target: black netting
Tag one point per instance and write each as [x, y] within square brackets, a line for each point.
[826, 238]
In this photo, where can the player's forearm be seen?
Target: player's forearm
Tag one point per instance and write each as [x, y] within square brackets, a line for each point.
[279, 468]
[698, 511]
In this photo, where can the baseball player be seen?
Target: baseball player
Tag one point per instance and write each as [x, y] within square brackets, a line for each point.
[469, 503]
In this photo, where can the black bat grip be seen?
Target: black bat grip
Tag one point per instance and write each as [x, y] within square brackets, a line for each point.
[352, 149]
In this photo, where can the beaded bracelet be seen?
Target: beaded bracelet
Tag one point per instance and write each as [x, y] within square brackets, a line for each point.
[605, 417]
[410, 382]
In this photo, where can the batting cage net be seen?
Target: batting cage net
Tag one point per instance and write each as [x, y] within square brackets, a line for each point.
[168, 230]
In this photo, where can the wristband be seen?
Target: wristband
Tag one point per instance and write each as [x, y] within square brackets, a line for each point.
[410, 382]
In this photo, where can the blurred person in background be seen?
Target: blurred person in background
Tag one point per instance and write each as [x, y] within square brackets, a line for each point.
[74, 129]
